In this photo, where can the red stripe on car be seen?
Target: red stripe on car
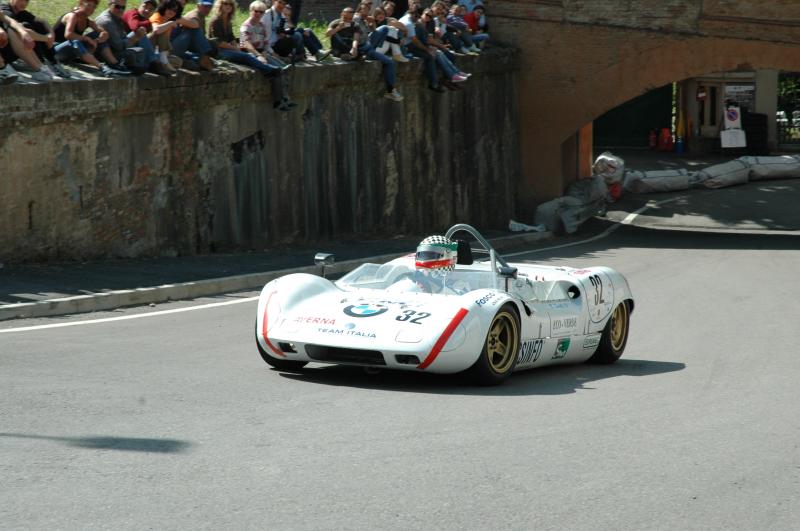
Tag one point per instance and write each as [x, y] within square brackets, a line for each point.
[434, 263]
[264, 329]
[440, 343]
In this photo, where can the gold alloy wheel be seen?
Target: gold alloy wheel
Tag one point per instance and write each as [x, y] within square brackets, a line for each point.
[502, 342]
[619, 327]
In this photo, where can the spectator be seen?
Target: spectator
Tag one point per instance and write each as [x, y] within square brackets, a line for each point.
[163, 24]
[7, 73]
[20, 45]
[189, 38]
[41, 33]
[302, 38]
[421, 48]
[365, 24]
[344, 35]
[470, 5]
[462, 31]
[121, 42]
[386, 35]
[280, 42]
[137, 20]
[477, 23]
[73, 44]
[254, 39]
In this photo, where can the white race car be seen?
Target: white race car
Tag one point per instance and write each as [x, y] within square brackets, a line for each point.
[440, 311]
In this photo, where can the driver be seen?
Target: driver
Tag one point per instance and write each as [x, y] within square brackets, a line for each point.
[436, 255]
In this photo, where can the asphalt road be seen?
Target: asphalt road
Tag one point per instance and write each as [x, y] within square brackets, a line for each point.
[172, 421]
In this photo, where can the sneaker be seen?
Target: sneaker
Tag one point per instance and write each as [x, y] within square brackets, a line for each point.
[120, 69]
[60, 71]
[105, 71]
[400, 59]
[394, 95]
[8, 75]
[346, 57]
[464, 74]
[436, 88]
[289, 103]
[458, 79]
[322, 55]
[161, 69]
[282, 106]
[286, 68]
[42, 75]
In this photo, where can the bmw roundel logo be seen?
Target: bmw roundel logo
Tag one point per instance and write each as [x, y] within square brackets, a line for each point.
[365, 310]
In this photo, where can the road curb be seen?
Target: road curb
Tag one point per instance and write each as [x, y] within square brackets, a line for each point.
[109, 300]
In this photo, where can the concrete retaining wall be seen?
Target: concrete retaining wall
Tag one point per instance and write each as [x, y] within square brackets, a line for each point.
[201, 162]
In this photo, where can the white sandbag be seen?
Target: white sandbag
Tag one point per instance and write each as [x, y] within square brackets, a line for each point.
[610, 167]
[587, 199]
[647, 182]
[726, 174]
[785, 167]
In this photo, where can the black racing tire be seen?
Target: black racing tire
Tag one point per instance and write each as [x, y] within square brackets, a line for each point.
[500, 349]
[615, 336]
[281, 365]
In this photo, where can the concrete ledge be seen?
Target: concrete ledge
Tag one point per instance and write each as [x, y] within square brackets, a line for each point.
[202, 288]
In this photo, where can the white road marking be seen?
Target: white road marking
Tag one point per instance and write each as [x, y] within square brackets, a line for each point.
[627, 221]
[126, 317]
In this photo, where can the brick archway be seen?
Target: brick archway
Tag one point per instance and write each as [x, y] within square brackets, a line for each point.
[571, 73]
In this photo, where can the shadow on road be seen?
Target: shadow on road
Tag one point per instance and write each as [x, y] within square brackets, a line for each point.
[556, 380]
[126, 444]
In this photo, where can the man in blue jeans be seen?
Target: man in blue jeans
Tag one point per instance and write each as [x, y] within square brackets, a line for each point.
[189, 39]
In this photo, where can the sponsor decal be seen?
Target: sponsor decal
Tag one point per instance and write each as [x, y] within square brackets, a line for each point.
[365, 309]
[315, 320]
[558, 305]
[530, 351]
[487, 299]
[388, 303]
[580, 272]
[591, 342]
[351, 332]
[561, 348]
[569, 322]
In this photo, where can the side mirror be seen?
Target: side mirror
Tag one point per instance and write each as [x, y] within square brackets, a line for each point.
[507, 271]
[324, 259]
[573, 292]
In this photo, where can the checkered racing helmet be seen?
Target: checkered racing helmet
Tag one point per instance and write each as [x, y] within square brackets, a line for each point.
[437, 253]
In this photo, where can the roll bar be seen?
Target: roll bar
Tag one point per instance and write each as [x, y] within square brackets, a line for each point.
[487, 248]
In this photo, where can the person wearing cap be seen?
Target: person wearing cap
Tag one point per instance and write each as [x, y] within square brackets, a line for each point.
[41, 33]
[189, 41]
[121, 41]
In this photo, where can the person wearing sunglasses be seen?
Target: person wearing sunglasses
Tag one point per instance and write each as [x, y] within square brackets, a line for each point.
[133, 48]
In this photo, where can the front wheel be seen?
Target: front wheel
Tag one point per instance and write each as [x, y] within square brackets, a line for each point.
[615, 336]
[281, 365]
[499, 355]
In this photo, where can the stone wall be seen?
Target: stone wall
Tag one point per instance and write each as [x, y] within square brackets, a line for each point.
[201, 162]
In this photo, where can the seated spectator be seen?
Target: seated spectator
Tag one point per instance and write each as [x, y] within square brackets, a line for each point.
[462, 31]
[7, 73]
[302, 38]
[123, 43]
[254, 39]
[386, 35]
[73, 44]
[189, 37]
[344, 36]
[365, 24]
[163, 23]
[137, 21]
[281, 44]
[421, 48]
[476, 20]
[16, 43]
[41, 33]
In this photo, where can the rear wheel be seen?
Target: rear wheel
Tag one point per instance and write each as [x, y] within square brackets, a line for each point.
[282, 365]
[499, 355]
[615, 336]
